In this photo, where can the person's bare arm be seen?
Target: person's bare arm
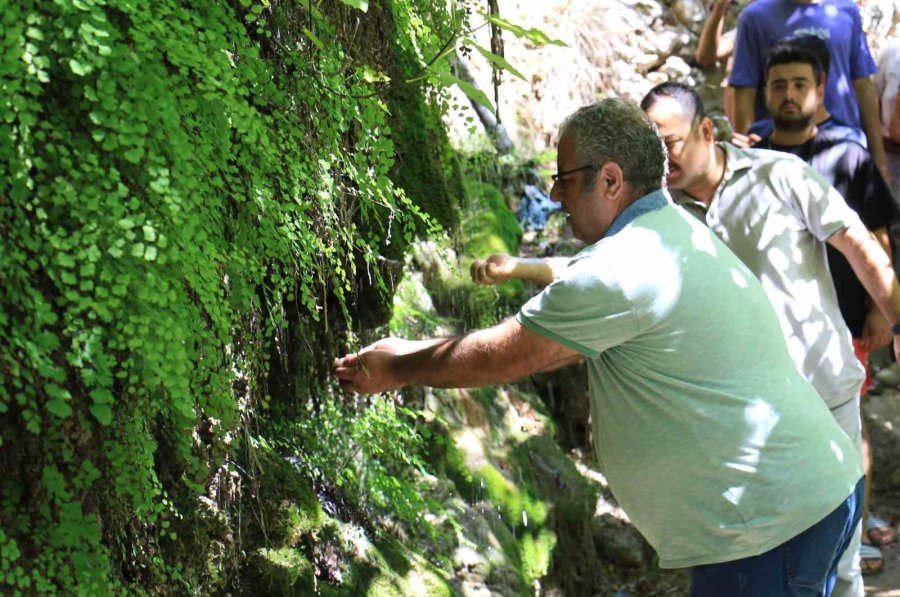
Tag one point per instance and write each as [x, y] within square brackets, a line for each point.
[876, 329]
[894, 127]
[744, 108]
[497, 269]
[500, 354]
[711, 47]
[867, 98]
[873, 268]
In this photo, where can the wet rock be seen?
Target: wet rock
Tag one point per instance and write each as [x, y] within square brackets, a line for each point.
[676, 68]
[618, 543]
[690, 13]
[470, 565]
[882, 415]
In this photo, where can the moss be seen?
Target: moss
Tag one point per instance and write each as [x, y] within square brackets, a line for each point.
[545, 467]
[519, 508]
[427, 168]
[284, 570]
[291, 508]
[490, 225]
[536, 554]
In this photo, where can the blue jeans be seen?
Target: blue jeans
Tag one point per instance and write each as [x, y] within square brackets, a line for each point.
[805, 566]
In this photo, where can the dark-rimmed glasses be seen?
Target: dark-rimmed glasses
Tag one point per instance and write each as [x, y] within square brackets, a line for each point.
[556, 177]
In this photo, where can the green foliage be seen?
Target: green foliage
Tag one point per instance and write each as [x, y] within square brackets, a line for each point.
[174, 178]
[491, 226]
[187, 190]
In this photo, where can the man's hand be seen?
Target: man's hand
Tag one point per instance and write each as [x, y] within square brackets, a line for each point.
[496, 269]
[745, 141]
[370, 370]
[876, 330]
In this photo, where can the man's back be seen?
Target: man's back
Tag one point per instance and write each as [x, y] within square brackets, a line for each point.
[701, 420]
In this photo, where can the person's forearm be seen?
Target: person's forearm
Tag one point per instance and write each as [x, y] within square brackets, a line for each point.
[867, 98]
[874, 270]
[744, 108]
[894, 126]
[542, 270]
[708, 46]
[472, 360]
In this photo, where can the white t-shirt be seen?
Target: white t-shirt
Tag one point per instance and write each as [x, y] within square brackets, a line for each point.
[776, 213]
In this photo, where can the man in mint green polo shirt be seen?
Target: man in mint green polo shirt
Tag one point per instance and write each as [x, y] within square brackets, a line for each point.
[722, 455]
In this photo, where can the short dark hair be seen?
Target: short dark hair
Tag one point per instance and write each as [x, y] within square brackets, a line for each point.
[683, 94]
[800, 51]
[616, 130]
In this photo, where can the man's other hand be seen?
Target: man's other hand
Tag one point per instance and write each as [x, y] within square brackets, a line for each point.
[496, 269]
[876, 330]
[745, 141]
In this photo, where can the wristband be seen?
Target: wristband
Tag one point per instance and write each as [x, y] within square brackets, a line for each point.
[895, 329]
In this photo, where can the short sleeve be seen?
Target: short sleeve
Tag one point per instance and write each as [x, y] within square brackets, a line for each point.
[861, 62]
[821, 207]
[585, 310]
[748, 54]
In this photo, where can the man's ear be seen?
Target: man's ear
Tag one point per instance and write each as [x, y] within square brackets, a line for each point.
[707, 129]
[611, 174]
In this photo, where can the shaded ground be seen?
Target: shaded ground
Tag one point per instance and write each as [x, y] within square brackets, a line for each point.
[882, 413]
[886, 583]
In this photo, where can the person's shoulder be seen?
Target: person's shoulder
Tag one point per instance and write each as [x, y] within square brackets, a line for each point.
[769, 157]
[848, 7]
[761, 8]
[840, 136]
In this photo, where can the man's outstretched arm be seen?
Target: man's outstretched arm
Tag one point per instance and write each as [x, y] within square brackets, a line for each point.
[873, 268]
[498, 268]
[503, 353]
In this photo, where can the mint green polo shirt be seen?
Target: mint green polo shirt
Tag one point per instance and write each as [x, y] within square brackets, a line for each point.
[711, 440]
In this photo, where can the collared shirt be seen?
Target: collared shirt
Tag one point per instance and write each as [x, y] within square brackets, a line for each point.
[776, 214]
[646, 204]
[852, 171]
[702, 424]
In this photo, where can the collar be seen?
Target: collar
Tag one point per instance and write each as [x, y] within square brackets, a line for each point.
[648, 203]
[736, 159]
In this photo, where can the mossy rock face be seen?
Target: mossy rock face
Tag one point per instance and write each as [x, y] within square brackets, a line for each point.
[290, 508]
[490, 225]
[427, 167]
[547, 468]
[282, 571]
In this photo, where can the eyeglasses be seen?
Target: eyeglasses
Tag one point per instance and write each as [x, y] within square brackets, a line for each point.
[558, 175]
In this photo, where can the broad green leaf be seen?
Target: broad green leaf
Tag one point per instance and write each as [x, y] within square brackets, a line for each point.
[102, 412]
[363, 5]
[370, 75]
[80, 68]
[59, 407]
[473, 93]
[312, 37]
[498, 61]
[102, 396]
[535, 35]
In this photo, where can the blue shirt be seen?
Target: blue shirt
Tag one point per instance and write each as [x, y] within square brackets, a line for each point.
[838, 22]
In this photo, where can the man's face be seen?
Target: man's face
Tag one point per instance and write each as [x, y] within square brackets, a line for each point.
[792, 95]
[688, 149]
[589, 215]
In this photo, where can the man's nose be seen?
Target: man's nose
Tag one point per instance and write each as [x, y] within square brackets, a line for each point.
[556, 191]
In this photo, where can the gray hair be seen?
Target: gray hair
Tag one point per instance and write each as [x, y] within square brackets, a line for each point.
[617, 130]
